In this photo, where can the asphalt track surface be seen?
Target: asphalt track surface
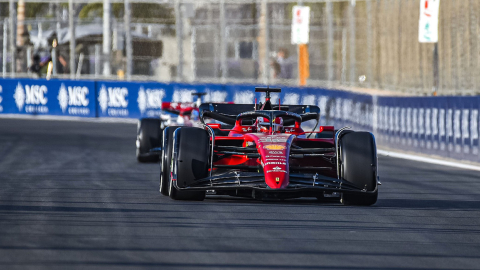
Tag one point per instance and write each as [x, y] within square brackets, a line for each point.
[72, 196]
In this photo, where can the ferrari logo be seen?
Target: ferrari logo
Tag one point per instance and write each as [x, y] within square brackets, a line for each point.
[274, 147]
[277, 179]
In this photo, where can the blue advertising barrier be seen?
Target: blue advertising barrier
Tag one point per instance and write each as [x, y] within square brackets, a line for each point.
[445, 126]
[442, 126]
[41, 97]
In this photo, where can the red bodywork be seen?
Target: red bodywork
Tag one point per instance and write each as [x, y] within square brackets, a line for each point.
[183, 109]
[274, 149]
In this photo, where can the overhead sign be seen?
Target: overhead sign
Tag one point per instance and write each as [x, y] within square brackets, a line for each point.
[428, 22]
[300, 25]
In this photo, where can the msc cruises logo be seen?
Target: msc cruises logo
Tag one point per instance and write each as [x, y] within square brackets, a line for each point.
[113, 100]
[112, 97]
[19, 96]
[31, 95]
[73, 96]
[150, 99]
[63, 97]
[103, 98]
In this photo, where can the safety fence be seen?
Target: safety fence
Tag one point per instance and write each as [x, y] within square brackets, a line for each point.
[443, 126]
[352, 43]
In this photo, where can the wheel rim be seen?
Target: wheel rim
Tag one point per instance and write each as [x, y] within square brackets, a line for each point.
[162, 178]
[170, 185]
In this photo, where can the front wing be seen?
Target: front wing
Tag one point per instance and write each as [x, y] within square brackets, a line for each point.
[299, 183]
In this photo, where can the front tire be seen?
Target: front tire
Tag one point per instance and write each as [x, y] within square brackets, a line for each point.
[165, 159]
[358, 165]
[190, 159]
[149, 136]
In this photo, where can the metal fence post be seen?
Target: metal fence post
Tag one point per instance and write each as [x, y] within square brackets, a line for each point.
[223, 43]
[330, 40]
[97, 60]
[193, 41]
[58, 16]
[267, 44]
[71, 26]
[369, 78]
[54, 61]
[344, 56]
[12, 40]
[29, 58]
[4, 52]
[351, 14]
[128, 39]
[179, 34]
[473, 48]
[107, 38]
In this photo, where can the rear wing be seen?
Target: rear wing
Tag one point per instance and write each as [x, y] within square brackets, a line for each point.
[227, 113]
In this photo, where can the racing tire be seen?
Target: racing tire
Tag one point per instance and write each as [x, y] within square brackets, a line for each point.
[149, 135]
[165, 158]
[190, 159]
[358, 165]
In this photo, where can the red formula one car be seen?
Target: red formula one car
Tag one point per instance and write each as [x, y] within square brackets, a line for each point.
[262, 152]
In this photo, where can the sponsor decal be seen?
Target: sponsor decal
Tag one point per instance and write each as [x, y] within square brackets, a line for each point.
[289, 130]
[113, 100]
[276, 171]
[215, 96]
[274, 147]
[276, 156]
[474, 124]
[308, 100]
[243, 97]
[274, 139]
[250, 143]
[179, 106]
[291, 99]
[182, 96]
[74, 98]
[103, 99]
[247, 129]
[19, 96]
[150, 99]
[277, 179]
[277, 168]
[1, 99]
[63, 98]
[275, 152]
[32, 97]
[275, 163]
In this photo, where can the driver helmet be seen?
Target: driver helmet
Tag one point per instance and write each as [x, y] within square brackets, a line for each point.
[263, 125]
[278, 124]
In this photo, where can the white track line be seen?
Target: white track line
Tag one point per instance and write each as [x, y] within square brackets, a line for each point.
[428, 160]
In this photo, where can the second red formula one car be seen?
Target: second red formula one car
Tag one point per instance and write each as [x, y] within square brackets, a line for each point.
[150, 129]
[262, 152]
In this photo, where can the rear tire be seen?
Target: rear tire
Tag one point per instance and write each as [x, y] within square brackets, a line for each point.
[149, 135]
[165, 158]
[358, 165]
[190, 160]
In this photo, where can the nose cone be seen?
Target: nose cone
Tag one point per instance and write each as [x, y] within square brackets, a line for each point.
[274, 151]
[276, 179]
